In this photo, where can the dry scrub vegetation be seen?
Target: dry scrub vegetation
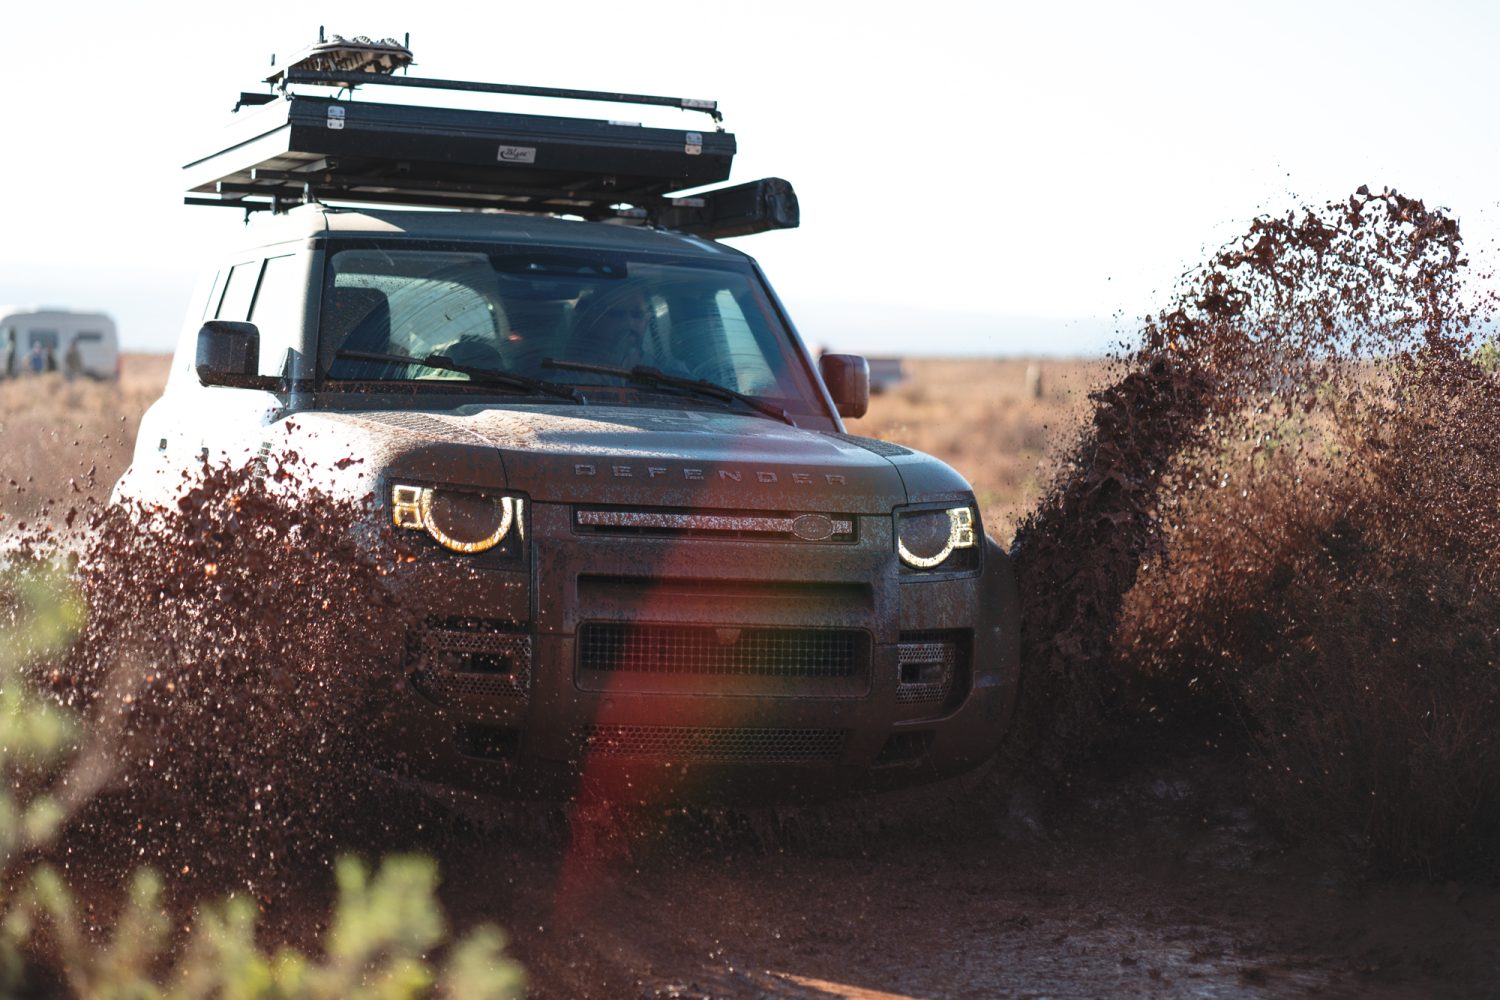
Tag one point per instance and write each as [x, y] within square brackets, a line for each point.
[53, 432]
[975, 414]
[980, 416]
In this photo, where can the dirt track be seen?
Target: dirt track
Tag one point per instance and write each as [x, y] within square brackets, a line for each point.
[1144, 883]
[1147, 882]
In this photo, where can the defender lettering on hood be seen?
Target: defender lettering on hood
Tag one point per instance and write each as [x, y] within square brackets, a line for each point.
[697, 475]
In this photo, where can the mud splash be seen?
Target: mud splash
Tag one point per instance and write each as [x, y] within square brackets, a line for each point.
[1281, 517]
[1292, 470]
[236, 648]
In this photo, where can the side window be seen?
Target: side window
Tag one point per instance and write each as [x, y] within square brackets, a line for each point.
[277, 311]
[239, 289]
[47, 340]
[215, 293]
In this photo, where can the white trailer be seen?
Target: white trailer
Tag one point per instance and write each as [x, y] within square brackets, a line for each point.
[77, 343]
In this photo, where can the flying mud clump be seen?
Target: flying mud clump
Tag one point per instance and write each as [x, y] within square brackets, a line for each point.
[1282, 518]
[235, 648]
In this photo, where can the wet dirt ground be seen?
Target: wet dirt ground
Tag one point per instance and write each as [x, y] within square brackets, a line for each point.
[1149, 882]
[1152, 876]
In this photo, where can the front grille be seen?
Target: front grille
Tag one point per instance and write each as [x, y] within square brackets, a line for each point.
[835, 598]
[457, 661]
[933, 667]
[706, 744]
[748, 526]
[624, 647]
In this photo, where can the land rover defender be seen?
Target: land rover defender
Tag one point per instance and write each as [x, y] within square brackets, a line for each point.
[671, 567]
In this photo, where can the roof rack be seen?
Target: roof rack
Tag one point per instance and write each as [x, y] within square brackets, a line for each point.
[288, 147]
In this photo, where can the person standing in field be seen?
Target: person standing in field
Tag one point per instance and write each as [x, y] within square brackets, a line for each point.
[36, 360]
[12, 360]
[72, 360]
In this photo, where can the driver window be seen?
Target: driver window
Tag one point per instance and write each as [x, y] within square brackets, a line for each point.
[277, 312]
[414, 305]
[239, 289]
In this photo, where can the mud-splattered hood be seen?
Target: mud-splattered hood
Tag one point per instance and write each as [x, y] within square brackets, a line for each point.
[646, 457]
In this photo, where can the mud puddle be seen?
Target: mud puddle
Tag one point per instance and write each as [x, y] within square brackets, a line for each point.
[1294, 469]
[1154, 880]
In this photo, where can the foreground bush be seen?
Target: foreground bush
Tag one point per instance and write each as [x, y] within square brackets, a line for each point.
[384, 928]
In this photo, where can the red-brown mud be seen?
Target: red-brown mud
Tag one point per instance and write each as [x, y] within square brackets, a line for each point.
[1150, 878]
[1261, 611]
[1289, 498]
[234, 646]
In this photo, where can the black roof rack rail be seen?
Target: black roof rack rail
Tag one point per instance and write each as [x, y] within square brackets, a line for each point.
[348, 81]
[292, 147]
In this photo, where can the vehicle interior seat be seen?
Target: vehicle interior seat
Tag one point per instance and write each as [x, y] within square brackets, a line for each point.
[358, 319]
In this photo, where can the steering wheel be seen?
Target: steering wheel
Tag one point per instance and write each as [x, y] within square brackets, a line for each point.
[474, 352]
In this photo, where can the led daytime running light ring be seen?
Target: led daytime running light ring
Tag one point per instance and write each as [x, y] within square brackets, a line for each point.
[960, 536]
[507, 516]
[413, 509]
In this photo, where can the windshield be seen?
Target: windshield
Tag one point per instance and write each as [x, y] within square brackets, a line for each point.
[513, 309]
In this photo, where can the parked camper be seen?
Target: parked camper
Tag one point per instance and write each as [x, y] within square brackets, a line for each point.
[886, 373]
[41, 340]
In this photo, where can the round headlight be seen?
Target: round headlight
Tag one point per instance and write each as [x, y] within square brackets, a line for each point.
[463, 522]
[926, 538]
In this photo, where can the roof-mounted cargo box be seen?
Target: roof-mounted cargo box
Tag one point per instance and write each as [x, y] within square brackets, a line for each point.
[291, 147]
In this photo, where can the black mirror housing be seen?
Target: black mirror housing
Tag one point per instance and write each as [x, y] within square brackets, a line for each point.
[229, 354]
[847, 377]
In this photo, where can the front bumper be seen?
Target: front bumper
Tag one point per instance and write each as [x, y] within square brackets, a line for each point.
[652, 669]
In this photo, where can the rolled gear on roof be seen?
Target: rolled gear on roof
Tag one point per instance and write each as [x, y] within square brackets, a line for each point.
[289, 147]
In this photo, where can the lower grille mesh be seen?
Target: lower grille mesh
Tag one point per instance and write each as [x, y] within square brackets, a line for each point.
[453, 663]
[706, 744]
[926, 671]
[932, 666]
[682, 649]
[446, 686]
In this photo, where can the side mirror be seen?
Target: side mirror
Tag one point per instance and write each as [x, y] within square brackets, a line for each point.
[848, 379]
[229, 354]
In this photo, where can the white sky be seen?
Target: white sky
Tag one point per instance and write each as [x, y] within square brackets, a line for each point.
[974, 178]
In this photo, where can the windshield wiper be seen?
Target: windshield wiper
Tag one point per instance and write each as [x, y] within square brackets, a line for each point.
[646, 375]
[483, 376]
